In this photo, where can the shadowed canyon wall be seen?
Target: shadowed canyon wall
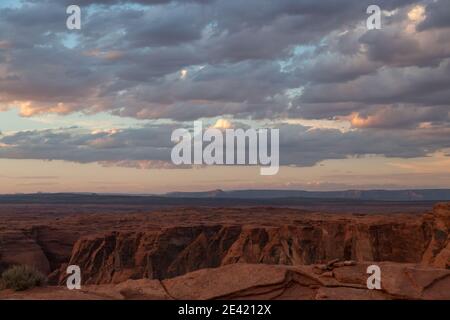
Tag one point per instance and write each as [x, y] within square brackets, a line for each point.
[122, 248]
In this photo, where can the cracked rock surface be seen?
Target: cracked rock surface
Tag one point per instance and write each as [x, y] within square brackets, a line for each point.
[267, 282]
[210, 253]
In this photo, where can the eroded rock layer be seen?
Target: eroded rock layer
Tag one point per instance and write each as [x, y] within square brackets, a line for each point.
[341, 280]
[113, 248]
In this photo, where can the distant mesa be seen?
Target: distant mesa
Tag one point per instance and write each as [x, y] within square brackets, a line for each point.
[374, 195]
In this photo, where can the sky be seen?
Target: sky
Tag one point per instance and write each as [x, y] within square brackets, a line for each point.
[92, 110]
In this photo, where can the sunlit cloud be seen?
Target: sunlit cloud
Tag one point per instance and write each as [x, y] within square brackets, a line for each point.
[223, 124]
[417, 14]
[183, 74]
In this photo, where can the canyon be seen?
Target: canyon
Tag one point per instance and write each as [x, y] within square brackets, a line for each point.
[113, 249]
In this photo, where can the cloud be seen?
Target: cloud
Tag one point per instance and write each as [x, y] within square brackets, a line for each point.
[398, 116]
[415, 94]
[255, 59]
[79, 145]
[437, 13]
[150, 146]
[243, 62]
[223, 124]
[140, 164]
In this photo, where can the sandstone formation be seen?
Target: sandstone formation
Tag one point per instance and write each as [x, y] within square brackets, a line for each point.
[117, 256]
[114, 248]
[438, 250]
[267, 282]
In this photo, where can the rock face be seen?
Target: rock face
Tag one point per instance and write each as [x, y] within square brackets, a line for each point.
[17, 248]
[117, 256]
[241, 281]
[114, 248]
[438, 251]
[42, 247]
[346, 281]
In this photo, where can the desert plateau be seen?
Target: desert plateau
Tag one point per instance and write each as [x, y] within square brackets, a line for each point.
[199, 253]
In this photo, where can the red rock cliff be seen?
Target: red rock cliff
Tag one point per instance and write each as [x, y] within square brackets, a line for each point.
[114, 257]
